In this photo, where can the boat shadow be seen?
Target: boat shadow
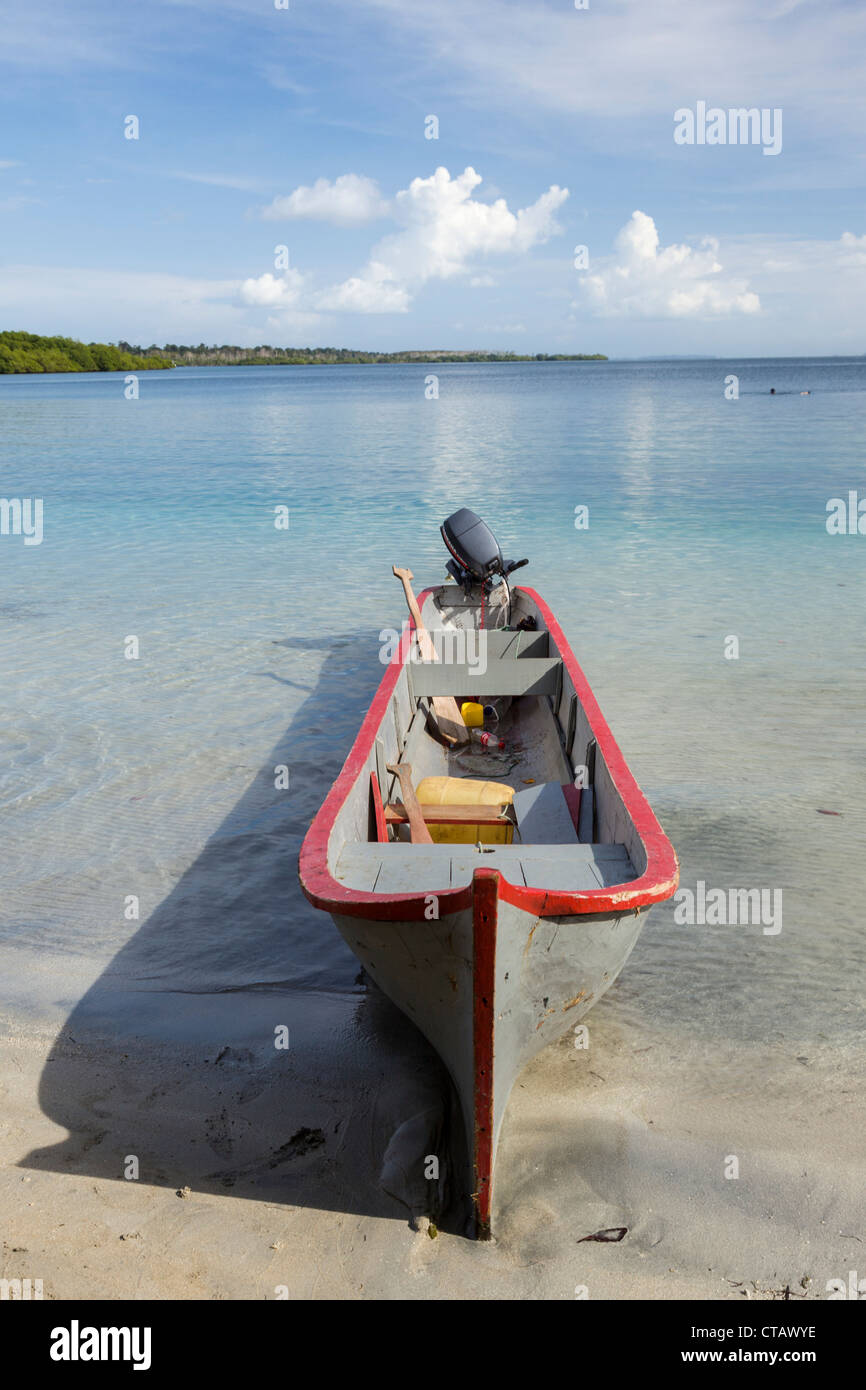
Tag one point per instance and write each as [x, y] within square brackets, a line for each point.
[233, 1044]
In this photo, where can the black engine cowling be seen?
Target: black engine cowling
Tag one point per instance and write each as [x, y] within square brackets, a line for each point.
[475, 551]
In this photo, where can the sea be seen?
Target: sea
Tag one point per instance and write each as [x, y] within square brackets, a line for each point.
[188, 646]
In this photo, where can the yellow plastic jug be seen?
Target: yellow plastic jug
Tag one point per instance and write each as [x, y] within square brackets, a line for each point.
[473, 714]
[467, 791]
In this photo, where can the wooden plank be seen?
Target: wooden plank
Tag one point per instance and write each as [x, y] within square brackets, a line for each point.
[612, 869]
[561, 876]
[543, 817]
[382, 769]
[380, 824]
[416, 738]
[576, 851]
[499, 644]
[571, 725]
[556, 693]
[465, 859]
[572, 801]
[395, 814]
[587, 814]
[397, 727]
[403, 868]
[507, 676]
[417, 825]
[419, 871]
[358, 866]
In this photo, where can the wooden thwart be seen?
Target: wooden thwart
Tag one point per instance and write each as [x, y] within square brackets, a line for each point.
[422, 868]
[505, 676]
[395, 814]
[496, 643]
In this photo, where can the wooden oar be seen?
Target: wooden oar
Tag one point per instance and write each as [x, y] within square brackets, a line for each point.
[417, 826]
[445, 707]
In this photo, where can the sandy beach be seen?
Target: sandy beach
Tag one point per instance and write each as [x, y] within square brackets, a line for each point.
[259, 1177]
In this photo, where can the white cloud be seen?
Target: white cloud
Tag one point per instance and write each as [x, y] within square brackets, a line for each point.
[853, 249]
[643, 281]
[105, 305]
[813, 303]
[370, 295]
[291, 327]
[271, 290]
[350, 200]
[443, 230]
[560, 59]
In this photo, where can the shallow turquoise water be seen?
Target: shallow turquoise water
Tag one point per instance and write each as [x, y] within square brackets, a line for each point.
[154, 777]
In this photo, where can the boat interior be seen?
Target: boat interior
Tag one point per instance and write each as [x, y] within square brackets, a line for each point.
[564, 828]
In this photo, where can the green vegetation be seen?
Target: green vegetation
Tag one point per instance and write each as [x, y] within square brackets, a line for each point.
[28, 352]
[204, 356]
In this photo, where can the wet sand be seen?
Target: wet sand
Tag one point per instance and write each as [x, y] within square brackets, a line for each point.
[259, 1172]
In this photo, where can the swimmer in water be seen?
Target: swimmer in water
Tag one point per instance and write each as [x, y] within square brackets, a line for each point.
[772, 390]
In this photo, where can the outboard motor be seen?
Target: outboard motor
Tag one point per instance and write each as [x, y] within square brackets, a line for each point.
[476, 557]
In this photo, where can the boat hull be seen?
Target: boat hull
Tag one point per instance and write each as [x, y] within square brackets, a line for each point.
[490, 987]
[494, 952]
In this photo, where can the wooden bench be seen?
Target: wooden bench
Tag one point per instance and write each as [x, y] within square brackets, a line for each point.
[402, 868]
[395, 814]
[527, 675]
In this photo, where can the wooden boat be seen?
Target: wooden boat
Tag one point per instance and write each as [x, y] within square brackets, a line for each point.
[493, 950]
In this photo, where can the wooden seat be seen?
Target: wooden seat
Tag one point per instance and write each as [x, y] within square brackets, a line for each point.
[395, 814]
[403, 868]
[527, 675]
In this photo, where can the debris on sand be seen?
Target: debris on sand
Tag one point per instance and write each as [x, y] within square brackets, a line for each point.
[301, 1142]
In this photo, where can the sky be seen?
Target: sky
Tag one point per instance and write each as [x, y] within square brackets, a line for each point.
[469, 174]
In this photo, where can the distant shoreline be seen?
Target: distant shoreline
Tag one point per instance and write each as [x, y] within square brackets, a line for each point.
[266, 355]
[30, 354]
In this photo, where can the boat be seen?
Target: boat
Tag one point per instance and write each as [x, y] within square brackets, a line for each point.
[493, 926]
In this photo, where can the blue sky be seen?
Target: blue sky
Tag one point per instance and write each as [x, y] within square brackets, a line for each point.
[305, 127]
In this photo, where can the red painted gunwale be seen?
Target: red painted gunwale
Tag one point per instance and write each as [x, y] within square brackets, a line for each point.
[657, 883]
[485, 905]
